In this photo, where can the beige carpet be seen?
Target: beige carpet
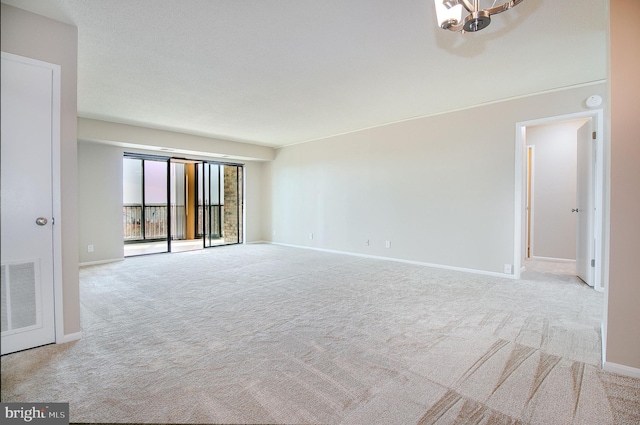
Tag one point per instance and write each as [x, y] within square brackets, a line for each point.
[270, 334]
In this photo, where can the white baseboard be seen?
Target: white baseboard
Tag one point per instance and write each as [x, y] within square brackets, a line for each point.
[256, 242]
[399, 260]
[93, 263]
[69, 338]
[559, 260]
[621, 369]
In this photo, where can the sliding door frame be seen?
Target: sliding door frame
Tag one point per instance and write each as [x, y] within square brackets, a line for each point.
[156, 158]
[239, 206]
[239, 184]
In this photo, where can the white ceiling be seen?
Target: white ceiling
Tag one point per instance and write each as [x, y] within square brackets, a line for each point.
[277, 72]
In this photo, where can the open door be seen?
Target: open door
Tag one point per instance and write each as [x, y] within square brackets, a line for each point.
[183, 206]
[585, 244]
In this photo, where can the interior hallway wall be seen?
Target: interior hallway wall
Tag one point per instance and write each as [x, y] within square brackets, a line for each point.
[623, 315]
[440, 188]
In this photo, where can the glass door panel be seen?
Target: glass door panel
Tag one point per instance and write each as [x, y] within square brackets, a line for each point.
[240, 185]
[206, 206]
[211, 206]
[200, 200]
[219, 203]
[145, 206]
[132, 200]
[231, 204]
[215, 231]
[178, 202]
[155, 201]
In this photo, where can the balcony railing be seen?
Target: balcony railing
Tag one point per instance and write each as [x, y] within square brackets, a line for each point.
[212, 214]
[156, 219]
[155, 222]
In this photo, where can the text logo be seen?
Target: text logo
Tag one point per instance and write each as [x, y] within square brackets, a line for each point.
[35, 413]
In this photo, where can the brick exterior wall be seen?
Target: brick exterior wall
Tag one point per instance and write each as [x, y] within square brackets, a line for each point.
[232, 197]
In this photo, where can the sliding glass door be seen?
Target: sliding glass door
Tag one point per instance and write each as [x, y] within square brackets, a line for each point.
[172, 205]
[145, 209]
[219, 203]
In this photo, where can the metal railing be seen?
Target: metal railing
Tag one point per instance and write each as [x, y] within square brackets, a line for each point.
[156, 219]
[213, 214]
[155, 222]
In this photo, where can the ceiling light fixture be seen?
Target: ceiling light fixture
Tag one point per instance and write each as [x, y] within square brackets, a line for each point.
[449, 13]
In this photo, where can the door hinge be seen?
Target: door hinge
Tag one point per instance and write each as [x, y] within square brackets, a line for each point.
[593, 263]
[53, 221]
[593, 135]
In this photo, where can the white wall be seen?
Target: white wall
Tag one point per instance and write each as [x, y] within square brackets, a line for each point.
[33, 36]
[623, 315]
[440, 188]
[100, 206]
[555, 178]
[100, 200]
[253, 201]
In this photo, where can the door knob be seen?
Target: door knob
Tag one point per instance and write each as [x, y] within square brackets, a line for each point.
[41, 221]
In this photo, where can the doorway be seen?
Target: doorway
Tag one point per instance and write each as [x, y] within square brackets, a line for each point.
[183, 202]
[551, 190]
[558, 197]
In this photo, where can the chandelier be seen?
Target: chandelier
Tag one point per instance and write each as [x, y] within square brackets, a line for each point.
[449, 14]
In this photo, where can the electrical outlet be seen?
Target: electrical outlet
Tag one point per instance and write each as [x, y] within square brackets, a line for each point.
[507, 269]
[89, 248]
[274, 233]
[366, 243]
[310, 235]
[387, 244]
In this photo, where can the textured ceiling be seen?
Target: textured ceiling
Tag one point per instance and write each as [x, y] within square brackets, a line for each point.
[277, 72]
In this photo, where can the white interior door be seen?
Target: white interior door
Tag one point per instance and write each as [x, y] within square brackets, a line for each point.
[585, 204]
[27, 289]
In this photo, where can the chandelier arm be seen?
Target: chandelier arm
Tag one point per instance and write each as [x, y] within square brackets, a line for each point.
[503, 7]
[498, 9]
[468, 5]
[454, 28]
